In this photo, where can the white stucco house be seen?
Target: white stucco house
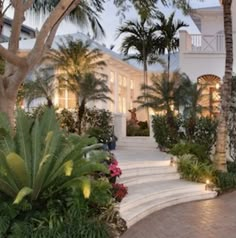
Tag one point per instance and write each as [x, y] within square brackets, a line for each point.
[26, 31]
[201, 56]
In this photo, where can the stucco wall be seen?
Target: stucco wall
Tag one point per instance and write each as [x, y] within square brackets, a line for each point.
[196, 65]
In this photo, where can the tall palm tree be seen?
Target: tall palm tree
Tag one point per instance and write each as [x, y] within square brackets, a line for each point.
[226, 92]
[43, 86]
[78, 66]
[91, 88]
[168, 40]
[140, 38]
[74, 58]
[84, 15]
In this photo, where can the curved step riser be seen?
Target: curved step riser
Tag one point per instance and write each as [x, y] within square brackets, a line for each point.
[145, 179]
[173, 202]
[126, 173]
[154, 197]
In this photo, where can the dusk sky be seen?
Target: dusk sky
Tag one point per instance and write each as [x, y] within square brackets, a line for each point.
[110, 21]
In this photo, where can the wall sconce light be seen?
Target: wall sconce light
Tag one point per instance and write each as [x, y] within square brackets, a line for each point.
[217, 86]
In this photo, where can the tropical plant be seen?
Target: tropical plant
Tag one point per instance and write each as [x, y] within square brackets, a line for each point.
[37, 154]
[190, 168]
[58, 184]
[74, 58]
[91, 89]
[78, 65]
[42, 86]
[141, 38]
[165, 135]
[160, 96]
[67, 120]
[198, 150]
[168, 40]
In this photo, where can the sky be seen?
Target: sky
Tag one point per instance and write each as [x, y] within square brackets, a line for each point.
[110, 22]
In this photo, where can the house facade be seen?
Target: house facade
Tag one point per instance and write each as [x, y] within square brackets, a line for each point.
[26, 31]
[202, 56]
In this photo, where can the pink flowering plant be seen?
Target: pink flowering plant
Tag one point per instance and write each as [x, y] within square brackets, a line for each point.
[115, 171]
[119, 191]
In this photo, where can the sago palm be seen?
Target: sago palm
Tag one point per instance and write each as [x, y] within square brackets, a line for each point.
[168, 40]
[38, 156]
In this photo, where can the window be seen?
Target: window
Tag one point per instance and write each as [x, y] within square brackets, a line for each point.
[120, 80]
[120, 104]
[124, 82]
[131, 84]
[112, 77]
[124, 105]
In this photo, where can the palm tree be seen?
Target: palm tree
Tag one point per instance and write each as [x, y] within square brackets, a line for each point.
[74, 58]
[168, 39]
[159, 96]
[43, 86]
[85, 14]
[141, 38]
[222, 132]
[91, 88]
[78, 65]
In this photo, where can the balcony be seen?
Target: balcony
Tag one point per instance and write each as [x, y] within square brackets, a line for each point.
[198, 43]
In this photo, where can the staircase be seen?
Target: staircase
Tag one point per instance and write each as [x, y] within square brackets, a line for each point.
[152, 183]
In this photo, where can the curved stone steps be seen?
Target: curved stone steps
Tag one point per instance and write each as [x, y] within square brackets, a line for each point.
[152, 183]
[139, 212]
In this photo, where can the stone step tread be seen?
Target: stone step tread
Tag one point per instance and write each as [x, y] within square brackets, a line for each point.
[138, 148]
[128, 181]
[138, 191]
[137, 213]
[143, 164]
[147, 170]
[136, 199]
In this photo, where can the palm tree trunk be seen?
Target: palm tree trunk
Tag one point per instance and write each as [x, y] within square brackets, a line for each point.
[49, 102]
[168, 66]
[81, 112]
[221, 142]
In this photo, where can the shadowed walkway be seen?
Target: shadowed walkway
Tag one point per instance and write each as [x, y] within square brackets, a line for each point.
[204, 219]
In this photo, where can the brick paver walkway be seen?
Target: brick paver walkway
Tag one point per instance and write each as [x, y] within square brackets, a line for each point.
[205, 219]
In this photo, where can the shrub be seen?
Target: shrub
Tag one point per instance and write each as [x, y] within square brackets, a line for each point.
[231, 166]
[67, 121]
[205, 132]
[199, 151]
[191, 169]
[226, 181]
[165, 135]
[100, 119]
[140, 129]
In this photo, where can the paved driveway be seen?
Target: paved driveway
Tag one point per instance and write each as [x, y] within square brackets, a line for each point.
[205, 219]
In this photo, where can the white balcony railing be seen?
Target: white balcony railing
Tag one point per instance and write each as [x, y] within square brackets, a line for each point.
[204, 43]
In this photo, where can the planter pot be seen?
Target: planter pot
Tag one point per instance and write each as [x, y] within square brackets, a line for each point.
[112, 145]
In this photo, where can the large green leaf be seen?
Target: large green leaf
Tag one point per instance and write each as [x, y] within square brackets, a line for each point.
[22, 194]
[17, 166]
[36, 141]
[23, 141]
